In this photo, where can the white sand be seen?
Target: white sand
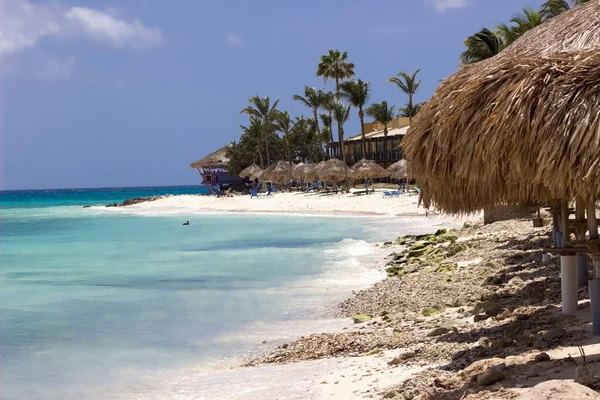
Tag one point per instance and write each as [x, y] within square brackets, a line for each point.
[336, 378]
[298, 203]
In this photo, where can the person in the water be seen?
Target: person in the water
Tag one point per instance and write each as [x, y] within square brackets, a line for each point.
[186, 223]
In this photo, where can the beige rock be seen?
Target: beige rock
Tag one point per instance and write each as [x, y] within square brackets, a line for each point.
[490, 376]
[559, 390]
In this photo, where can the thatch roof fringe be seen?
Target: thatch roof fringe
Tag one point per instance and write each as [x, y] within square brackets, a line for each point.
[522, 127]
[218, 157]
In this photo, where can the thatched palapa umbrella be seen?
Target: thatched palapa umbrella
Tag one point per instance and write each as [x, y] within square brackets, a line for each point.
[297, 171]
[398, 170]
[521, 128]
[517, 128]
[365, 169]
[333, 170]
[312, 171]
[252, 172]
[277, 172]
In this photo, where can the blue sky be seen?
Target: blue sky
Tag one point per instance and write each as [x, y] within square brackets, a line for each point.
[128, 93]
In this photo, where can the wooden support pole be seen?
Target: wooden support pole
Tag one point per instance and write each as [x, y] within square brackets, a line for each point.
[582, 257]
[564, 214]
[591, 218]
[580, 208]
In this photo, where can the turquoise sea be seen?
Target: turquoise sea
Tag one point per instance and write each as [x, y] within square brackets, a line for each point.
[94, 303]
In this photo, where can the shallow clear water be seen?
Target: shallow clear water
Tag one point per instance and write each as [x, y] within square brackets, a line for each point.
[93, 301]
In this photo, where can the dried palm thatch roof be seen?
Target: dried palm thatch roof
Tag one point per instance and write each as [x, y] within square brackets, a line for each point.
[367, 169]
[277, 172]
[522, 127]
[218, 157]
[311, 171]
[398, 170]
[297, 171]
[333, 169]
[252, 172]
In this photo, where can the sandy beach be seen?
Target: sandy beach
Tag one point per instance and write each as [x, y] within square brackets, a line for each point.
[455, 306]
[288, 202]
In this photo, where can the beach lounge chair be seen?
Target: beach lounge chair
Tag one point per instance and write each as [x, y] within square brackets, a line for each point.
[253, 194]
[387, 194]
[395, 193]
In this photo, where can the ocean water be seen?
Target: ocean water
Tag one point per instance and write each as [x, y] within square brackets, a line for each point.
[94, 304]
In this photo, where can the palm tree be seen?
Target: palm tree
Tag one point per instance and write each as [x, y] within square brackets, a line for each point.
[524, 21]
[326, 137]
[552, 8]
[407, 111]
[327, 121]
[328, 105]
[341, 113]
[335, 65]
[255, 130]
[284, 124]
[357, 94]
[408, 84]
[313, 99]
[480, 46]
[261, 108]
[382, 114]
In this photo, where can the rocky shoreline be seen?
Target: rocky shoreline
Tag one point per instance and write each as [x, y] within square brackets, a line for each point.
[478, 307]
[135, 200]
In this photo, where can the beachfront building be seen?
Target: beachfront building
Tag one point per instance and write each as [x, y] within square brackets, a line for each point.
[213, 170]
[384, 152]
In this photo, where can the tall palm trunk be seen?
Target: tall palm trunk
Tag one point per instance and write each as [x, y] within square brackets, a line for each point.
[331, 132]
[267, 148]
[318, 135]
[410, 108]
[361, 115]
[341, 141]
[260, 157]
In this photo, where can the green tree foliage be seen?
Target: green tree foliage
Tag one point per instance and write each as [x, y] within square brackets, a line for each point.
[357, 93]
[335, 66]
[410, 111]
[261, 107]
[341, 113]
[383, 114]
[552, 8]
[480, 46]
[521, 23]
[408, 84]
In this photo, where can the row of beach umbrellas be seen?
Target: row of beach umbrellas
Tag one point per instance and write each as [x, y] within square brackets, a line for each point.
[331, 170]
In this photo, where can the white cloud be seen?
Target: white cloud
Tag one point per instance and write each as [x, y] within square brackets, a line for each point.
[23, 25]
[55, 69]
[234, 39]
[116, 32]
[443, 5]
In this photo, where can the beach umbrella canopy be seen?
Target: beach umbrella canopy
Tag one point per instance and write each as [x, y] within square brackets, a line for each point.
[277, 172]
[333, 170]
[398, 170]
[297, 171]
[311, 171]
[251, 172]
[365, 169]
[518, 128]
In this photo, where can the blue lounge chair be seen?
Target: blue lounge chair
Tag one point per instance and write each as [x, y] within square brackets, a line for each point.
[387, 194]
[253, 194]
[395, 193]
